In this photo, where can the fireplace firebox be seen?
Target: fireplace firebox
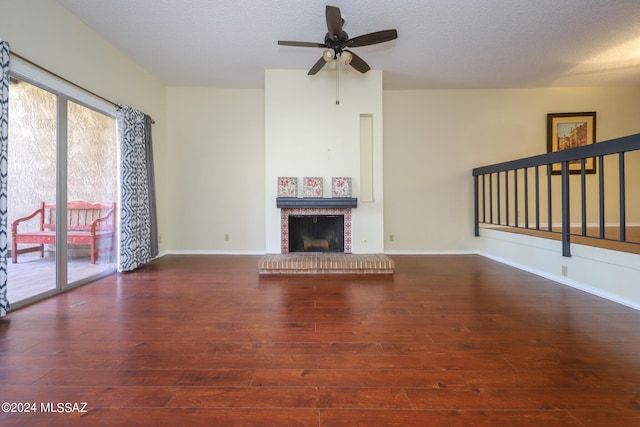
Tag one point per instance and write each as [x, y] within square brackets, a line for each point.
[316, 233]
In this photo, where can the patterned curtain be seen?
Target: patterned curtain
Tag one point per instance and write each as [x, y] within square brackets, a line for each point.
[138, 229]
[4, 136]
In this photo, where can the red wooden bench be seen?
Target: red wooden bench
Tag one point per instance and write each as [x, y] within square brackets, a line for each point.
[87, 224]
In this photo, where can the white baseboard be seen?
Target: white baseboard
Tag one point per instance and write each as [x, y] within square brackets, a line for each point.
[430, 252]
[564, 281]
[212, 252]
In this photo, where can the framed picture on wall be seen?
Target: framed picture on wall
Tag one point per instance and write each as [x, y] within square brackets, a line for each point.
[571, 130]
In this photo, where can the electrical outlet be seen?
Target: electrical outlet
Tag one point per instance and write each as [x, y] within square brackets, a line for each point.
[565, 270]
[226, 237]
[391, 237]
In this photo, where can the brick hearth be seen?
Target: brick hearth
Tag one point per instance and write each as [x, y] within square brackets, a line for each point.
[326, 263]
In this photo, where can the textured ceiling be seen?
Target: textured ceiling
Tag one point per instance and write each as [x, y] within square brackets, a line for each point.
[442, 44]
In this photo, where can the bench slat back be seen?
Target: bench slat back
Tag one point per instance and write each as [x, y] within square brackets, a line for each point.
[80, 215]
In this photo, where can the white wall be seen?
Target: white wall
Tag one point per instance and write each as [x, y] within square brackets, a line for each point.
[216, 173]
[307, 134]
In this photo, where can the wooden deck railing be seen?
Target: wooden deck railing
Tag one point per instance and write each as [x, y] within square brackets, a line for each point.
[525, 194]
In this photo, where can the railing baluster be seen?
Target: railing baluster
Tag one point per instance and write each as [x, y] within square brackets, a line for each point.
[506, 197]
[491, 198]
[537, 197]
[475, 203]
[515, 195]
[484, 197]
[583, 183]
[623, 220]
[601, 192]
[566, 224]
[549, 216]
[526, 197]
[498, 194]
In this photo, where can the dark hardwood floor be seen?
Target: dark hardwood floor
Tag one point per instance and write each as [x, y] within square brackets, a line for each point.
[204, 340]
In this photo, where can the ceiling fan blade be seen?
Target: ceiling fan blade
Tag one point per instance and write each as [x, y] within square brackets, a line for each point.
[300, 44]
[317, 66]
[358, 63]
[373, 38]
[334, 20]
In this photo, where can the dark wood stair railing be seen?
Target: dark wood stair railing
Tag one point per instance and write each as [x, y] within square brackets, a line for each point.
[488, 211]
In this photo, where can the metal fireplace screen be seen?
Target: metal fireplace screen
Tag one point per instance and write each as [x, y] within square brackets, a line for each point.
[316, 233]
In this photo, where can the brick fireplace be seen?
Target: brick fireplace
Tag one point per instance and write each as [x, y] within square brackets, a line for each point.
[321, 262]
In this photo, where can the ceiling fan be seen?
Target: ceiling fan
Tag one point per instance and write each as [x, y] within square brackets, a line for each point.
[337, 42]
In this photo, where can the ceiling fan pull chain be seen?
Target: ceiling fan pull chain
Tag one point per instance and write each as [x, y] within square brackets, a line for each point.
[337, 81]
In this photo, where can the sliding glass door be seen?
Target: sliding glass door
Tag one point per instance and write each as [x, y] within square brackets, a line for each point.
[62, 181]
[92, 178]
[31, 182]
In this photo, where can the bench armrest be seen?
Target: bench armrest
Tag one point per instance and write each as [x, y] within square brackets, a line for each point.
[14, 224]
[96, 222]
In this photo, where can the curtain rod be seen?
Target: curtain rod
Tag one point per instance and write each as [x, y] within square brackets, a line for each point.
[40, 67]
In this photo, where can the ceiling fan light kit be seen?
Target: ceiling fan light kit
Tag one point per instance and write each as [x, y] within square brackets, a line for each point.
[336, 42]
[347, 57]
[329, 54]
